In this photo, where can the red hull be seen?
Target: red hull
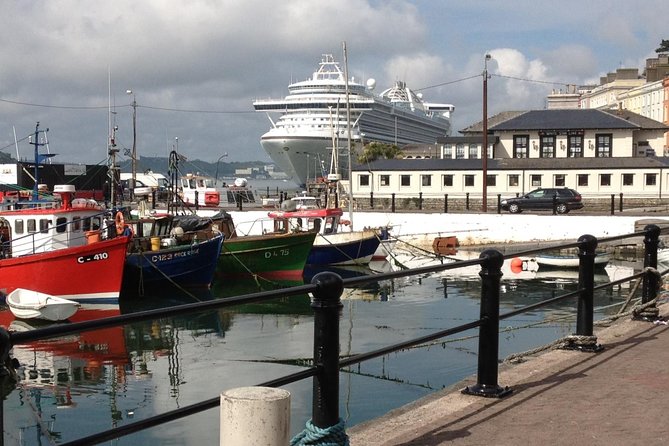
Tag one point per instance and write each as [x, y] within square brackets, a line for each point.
[88, 273]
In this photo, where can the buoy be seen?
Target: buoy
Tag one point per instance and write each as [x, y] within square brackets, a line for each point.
[516, 265]
[119, 222]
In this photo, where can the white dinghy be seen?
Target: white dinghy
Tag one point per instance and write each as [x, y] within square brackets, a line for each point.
[29, 304]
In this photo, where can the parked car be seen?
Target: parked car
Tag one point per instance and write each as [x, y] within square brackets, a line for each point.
[565, 200]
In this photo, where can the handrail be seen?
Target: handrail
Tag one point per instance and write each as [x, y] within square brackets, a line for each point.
[327, 288]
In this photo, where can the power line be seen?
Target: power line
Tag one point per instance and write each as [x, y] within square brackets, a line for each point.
[534, 81]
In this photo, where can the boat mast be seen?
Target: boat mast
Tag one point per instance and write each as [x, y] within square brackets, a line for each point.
[38, 158]
[348, 127]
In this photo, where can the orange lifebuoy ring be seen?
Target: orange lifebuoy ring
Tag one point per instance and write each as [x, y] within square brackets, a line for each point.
[119, 222]
[344, 222]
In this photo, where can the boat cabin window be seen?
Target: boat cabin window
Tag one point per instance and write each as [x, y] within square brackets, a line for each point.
[317, 224]
[330, 226]
[280, 225]
[18, 226]
[76, 224]
[87, 224]
[32, 225]
[44, 225]
[163, 227]
[61, 224]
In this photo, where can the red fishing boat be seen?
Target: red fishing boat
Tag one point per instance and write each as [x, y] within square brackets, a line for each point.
[56, 247]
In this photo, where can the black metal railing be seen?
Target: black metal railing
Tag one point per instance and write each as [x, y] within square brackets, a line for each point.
[327, 288]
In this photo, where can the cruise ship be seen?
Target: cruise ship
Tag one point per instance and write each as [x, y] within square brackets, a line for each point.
[315, 117]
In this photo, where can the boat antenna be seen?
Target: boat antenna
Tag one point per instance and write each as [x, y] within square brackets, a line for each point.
[348, 128]
[16, 144]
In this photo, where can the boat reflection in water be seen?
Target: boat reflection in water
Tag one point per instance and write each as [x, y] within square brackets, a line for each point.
[112, 377]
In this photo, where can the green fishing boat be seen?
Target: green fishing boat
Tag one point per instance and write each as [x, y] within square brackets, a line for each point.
[270, 256]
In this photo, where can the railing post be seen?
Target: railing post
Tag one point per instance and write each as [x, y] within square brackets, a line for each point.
[5, 347]
[325, 421]
[554, 204]
[650, 280]
[239, 200]
[392, 202]
[491, 273]
[445, 203]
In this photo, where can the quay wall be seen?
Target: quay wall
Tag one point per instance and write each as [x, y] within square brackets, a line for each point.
[471, 229]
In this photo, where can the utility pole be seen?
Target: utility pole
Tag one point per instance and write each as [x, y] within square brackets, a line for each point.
[484, 151]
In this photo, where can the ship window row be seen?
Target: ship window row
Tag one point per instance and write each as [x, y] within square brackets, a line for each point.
[32, 225]
[513, 180]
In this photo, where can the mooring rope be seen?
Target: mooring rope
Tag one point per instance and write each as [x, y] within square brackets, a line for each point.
[315, 436]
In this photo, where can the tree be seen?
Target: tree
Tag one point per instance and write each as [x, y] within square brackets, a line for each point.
[664, 47]
[376, 150]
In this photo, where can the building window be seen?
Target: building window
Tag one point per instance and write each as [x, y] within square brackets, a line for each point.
[426, 180]
[460, 151]
[582, 179]
[603, 145]
[605, 179]
[535, 180]
[364, 180]
[559, 180]
[628, 179]
[469, 180]
[521, 145]
[514, 180]
[491, 180]
[473, 151]
[448, 151]
[575, 146]
[405, 180]
[547, 146]
[384, 180]
[651, 179]
[447, 180]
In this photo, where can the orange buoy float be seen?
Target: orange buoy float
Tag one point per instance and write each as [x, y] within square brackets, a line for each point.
[119, 222]
[516, 265]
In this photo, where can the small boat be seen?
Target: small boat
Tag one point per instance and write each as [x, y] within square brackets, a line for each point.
[199, 190]
[30, 304]
[569, 260]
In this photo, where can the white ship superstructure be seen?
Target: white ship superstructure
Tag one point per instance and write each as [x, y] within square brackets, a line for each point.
[314, 119]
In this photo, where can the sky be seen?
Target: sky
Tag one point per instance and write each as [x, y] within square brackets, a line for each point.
[195, 66]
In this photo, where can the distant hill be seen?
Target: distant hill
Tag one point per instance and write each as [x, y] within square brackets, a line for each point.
[161, 165]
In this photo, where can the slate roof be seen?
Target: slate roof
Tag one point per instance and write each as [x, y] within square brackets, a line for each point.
[635, 118]
[432, 164]
[567, 119]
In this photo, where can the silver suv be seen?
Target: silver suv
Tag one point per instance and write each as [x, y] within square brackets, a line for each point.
[561, 200]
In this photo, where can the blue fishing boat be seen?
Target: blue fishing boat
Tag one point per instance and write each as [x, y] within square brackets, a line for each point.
[165, 253]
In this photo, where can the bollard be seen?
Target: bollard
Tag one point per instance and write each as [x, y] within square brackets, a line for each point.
[392, 202]
[613, 203]
[499, 203]
[325, 426]
[621, 202]
[371, 199]
[584, 339]
[445, 203]
[420, 201]
[491, 273]
[467, 201]
[554, 204]
[650, 280]
[255, 416]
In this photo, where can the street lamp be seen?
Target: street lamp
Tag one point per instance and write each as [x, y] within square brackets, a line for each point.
[218, 161]
[134, 139]
[485, 133]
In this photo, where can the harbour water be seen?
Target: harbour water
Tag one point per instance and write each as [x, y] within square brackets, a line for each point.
[78, 385]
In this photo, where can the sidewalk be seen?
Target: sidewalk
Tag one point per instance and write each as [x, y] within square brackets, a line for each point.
[614, 397]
